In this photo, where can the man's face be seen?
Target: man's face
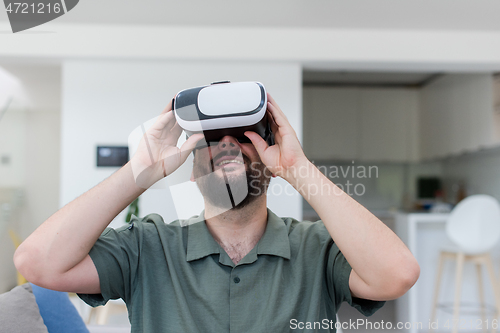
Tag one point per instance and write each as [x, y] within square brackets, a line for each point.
[230, 174]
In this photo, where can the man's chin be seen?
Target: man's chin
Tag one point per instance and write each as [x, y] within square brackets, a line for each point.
[230, 186]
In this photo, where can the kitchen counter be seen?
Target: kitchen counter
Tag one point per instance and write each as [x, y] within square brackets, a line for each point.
[425, 235]
[414, 230]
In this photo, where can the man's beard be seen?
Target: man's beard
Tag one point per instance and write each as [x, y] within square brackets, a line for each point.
[232, 191]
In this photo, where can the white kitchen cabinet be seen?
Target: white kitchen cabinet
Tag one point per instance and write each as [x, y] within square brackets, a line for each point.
[432, 123]
[496, 107]
[482, 113]
[330, 121]
[457, 115]
[362, 124]
[388, 124]
[454, 114]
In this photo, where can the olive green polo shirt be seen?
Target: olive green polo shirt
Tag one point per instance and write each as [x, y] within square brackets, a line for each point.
[176, 278]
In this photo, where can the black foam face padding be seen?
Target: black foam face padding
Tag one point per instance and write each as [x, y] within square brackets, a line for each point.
[262, 128]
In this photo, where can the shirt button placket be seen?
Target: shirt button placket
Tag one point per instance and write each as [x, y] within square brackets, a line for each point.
[234, 294]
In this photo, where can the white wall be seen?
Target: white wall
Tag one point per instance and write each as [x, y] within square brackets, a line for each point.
[31, 137]
[103, 101]
[42, 141]
[13, 145]
[13, 148]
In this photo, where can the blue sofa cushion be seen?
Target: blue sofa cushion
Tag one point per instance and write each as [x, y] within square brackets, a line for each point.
[58, 313]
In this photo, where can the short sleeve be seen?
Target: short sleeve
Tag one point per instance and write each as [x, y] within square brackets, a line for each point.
[338, 272]
[115, 256]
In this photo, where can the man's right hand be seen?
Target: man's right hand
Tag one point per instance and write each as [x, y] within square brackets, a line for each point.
[158, 155]
[56, 254]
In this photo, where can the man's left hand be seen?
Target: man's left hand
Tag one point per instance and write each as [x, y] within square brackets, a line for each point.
[286, 156]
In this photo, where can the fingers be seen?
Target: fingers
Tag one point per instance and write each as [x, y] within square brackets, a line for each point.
[164, 121]
[270, 100]
[174, 157]
[259, 143]
[276, 133]
[281, 126]
[284, 127]
[278, 115]
[169, 107]
[188, 146]
[271, 117]
[175, 133]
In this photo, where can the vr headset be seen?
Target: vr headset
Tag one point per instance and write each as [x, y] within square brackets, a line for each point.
[223, 108]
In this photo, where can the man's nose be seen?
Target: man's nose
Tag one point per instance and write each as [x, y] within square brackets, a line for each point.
[228, 142]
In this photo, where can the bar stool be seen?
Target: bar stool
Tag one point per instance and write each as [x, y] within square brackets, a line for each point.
[474, 228]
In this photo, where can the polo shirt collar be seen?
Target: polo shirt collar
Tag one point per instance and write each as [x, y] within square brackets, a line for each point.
[275, 239]
[201, 243]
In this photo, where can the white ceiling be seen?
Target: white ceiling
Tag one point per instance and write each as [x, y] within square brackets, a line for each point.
[363, 14]
[387, 16]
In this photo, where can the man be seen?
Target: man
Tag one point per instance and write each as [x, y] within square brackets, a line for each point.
[235, 268]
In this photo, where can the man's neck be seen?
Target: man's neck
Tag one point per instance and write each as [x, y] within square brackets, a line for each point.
[238, 230]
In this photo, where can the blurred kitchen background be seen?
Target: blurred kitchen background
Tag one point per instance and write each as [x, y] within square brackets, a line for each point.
[427, 137]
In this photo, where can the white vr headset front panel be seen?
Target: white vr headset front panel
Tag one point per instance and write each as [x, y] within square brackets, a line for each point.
[218, 123]
[226, 99]
[226, 102]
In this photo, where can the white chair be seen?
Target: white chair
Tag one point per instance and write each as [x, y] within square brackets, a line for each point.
[474, 228]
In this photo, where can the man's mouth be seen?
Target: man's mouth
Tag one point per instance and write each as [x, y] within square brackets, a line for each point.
[229, 160]
[222, 163]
